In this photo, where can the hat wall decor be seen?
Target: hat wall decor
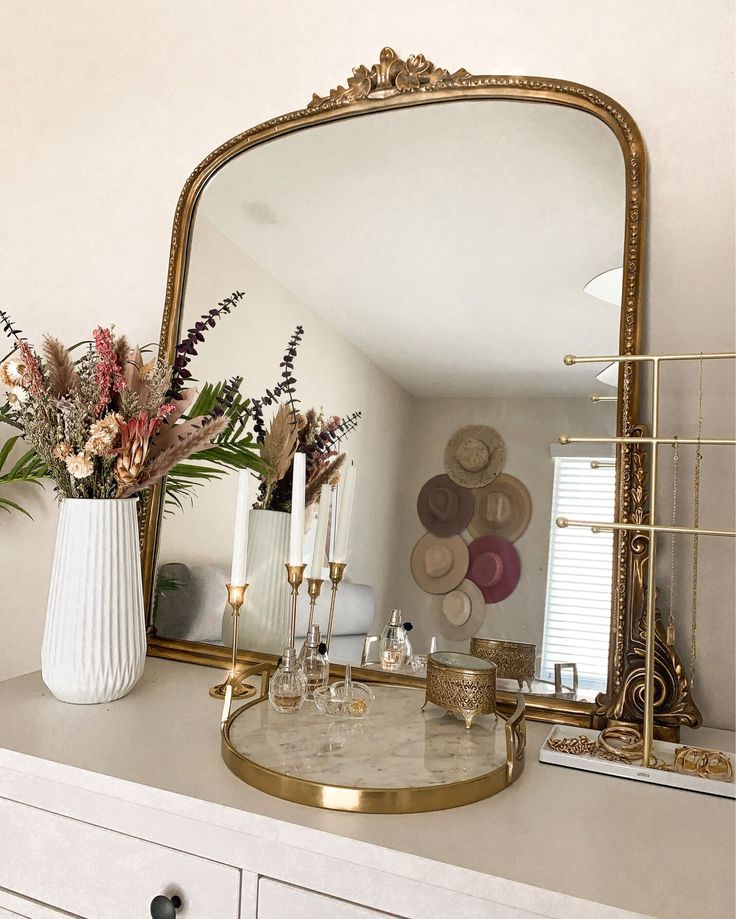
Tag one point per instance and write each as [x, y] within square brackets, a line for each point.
[444, 507]
[494, 507]
[474, 456]
[502, 508]
[439, 564]
[494, 566]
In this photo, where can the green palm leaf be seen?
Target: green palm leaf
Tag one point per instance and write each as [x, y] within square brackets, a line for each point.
[232, 450]
[29, 468]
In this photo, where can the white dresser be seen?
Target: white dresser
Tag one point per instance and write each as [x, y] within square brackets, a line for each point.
[104, 808]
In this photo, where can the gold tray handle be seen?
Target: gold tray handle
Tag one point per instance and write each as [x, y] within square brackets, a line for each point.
[558, 677]
[516, 740]
[264, 670]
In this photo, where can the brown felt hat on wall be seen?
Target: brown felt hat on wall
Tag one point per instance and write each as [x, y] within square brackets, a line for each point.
[444, 507]
[439, 564]
[474, 456]
[503, 508]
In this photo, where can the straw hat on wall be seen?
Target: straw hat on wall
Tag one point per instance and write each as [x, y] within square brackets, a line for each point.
[474, 456]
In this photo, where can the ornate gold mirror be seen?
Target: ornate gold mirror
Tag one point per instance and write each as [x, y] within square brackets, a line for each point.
[442, 240]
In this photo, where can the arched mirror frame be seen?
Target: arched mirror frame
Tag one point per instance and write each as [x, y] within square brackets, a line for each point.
[393, 84]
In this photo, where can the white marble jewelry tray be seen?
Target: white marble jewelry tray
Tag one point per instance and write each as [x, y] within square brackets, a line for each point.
[397, 759]
[661, 749]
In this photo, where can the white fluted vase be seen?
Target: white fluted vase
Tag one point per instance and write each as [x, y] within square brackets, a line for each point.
[94, 641]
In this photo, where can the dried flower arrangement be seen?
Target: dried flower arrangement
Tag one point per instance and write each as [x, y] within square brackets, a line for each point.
[292, 431]
[111, 424]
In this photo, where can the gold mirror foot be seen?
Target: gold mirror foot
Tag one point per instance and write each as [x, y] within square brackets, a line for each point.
[240, 690]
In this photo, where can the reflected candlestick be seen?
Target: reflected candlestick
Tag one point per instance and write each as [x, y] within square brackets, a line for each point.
[295, 574]
[337, 572]
[239, 690]
[314, 588]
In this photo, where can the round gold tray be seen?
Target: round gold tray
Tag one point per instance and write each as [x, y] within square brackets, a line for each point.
[397, 760]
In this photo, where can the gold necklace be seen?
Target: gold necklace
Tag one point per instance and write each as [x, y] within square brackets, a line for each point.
[696, 524]
[671, 617]
[624, 456]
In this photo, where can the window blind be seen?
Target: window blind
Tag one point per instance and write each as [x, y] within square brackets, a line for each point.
[577, 617]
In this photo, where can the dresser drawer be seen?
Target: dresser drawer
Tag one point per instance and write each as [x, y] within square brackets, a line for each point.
[99, 874]
[277, 900]
[13, 906]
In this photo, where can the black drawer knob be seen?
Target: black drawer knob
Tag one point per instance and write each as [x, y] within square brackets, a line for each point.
[165, 907]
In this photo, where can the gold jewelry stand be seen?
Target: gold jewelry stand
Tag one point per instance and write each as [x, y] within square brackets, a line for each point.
[337, 572]
[654, 441]
[295, 574]
[238, 689]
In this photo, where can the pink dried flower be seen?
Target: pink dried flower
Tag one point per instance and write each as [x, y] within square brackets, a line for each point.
[165, 410]
[135, 439]
[108, 373]
[32, 376]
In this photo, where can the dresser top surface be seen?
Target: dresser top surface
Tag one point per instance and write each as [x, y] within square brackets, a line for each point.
[592, 836]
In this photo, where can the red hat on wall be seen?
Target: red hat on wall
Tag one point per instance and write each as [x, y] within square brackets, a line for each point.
[494, 565]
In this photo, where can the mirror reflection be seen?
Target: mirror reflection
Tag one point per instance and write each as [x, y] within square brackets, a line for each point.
[421, 273]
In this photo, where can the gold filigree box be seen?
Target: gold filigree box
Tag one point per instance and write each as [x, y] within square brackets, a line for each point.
[461, 683]
[514, 660]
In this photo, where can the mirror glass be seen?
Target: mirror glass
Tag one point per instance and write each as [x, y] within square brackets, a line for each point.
[441, 261]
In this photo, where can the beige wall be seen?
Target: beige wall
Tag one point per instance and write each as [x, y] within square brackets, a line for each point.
[106, 108]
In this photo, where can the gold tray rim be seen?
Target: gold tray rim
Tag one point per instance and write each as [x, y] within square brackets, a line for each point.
[378, 800]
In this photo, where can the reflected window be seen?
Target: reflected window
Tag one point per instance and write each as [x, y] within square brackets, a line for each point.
[577, 620]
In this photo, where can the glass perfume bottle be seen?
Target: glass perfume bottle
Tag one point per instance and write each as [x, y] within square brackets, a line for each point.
[288, 687]
[408, 650]
[393, 642]
[313, 661]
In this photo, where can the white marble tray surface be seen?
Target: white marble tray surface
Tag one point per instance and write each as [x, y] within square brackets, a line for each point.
[395, 746]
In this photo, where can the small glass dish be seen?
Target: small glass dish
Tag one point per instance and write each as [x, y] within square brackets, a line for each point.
[345, 699]
[419, 663]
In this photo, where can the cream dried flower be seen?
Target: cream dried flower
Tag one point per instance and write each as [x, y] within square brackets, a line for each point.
[110, 423]
[79, 465]
[103, 435]
[146, 370]
[11, 372]
[17, 395]
[61, 450]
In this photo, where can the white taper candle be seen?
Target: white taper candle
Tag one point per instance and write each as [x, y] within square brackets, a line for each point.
[296, 531]
[240, 536]
[320, 536]
[344, 514]
[333, 521]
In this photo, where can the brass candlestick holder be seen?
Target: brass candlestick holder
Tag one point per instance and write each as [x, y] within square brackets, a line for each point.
[295, 574]
[337, 572]
[240, 690]
[314, 588]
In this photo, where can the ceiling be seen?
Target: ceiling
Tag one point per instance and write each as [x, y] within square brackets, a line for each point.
[451, 243]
